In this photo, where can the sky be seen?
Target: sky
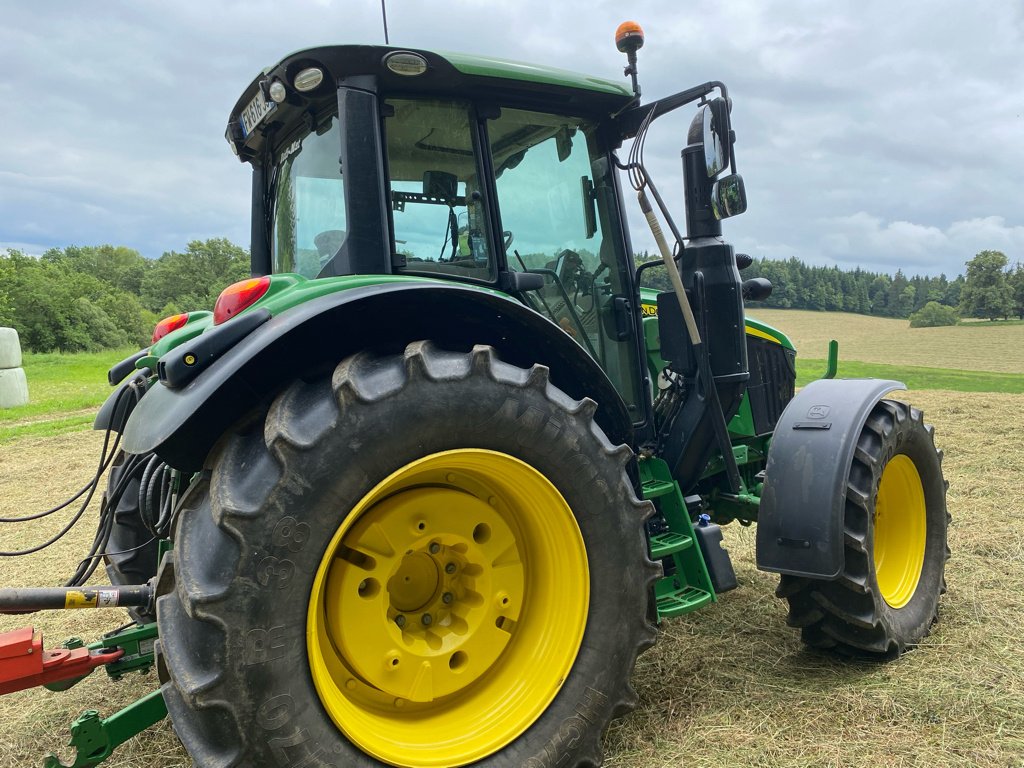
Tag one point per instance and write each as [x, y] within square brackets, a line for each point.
[869, 133]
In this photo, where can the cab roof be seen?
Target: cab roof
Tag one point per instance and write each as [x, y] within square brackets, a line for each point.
[482, 79]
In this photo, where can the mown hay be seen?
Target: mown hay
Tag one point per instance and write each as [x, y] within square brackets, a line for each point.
[727, 686]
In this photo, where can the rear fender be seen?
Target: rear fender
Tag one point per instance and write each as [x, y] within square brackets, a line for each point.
[118, 407]
[182, 424]
[800, 520]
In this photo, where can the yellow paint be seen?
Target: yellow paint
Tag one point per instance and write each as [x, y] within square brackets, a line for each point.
[651, 310]
[74, 599]
[448, 609]
[751, 331]
[900, 531]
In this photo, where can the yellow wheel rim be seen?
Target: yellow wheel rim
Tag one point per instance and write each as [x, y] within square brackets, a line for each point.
[448, 609]
[900, 526]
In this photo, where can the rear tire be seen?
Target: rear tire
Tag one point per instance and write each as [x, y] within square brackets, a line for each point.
[130, 556]
[264, 668]
[886, 597]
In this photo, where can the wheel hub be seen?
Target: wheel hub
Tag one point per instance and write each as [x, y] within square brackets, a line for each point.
[448, 609]
[900, 531]
[411, 607]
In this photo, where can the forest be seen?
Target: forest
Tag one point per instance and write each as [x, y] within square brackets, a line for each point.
[85, 298]
[990, 289]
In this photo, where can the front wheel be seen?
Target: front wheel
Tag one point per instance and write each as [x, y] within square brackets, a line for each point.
[429, 559]
[886, 597]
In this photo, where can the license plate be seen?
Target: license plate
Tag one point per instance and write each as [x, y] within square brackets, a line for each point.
[254, 113]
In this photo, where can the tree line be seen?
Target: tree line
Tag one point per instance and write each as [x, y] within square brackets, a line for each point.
[88, 298]
[990, 289]
[83, 298]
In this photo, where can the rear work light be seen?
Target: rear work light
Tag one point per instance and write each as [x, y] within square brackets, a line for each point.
[239, 296]
[168, 324]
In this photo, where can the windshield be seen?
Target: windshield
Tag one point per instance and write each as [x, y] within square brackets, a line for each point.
[309, 201]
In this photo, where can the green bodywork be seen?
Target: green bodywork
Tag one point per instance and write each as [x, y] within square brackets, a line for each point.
[688, 586]
[486, 66]
[94, 738]
[286, 291]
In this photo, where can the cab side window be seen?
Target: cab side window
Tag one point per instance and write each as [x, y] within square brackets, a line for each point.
[440, 223]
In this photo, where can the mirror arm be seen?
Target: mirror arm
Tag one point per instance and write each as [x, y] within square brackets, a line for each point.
[629, 122]
[665, 212]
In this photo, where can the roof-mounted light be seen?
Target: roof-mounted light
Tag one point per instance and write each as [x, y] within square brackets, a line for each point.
[629, 36]
[406, 63]
[308, 79]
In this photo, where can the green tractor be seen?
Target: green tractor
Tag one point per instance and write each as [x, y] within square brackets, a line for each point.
[421, 489]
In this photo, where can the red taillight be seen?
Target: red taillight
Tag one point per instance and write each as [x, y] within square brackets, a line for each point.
[168, 324]
[237, 297]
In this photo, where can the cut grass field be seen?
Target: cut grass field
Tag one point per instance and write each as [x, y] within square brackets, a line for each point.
[997, 347]
[727, 686]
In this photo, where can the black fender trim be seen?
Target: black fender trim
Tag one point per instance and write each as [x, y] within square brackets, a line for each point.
[181, 425]
[124, 401]
[800, 521]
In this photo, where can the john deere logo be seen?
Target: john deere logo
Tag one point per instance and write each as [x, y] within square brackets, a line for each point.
[818, 411]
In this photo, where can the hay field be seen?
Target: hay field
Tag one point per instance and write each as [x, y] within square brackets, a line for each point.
[972, 346]
[727, 686]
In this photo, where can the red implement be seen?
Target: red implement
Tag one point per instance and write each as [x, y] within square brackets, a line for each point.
[24, 663]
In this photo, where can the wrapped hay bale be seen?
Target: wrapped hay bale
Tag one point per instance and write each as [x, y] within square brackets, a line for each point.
[13, 384]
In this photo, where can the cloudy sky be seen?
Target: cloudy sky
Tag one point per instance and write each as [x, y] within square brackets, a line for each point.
[869, 133]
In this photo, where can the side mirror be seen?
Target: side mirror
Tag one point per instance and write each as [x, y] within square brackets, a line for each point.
[728, 197]
[716, 135]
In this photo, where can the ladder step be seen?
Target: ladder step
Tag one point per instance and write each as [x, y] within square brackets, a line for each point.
[668, 543]
[652, 489]
[675, 602]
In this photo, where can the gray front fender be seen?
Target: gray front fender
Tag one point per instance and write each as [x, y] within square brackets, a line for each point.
[800, 521]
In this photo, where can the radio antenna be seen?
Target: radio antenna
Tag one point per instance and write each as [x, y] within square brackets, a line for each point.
[384, 14]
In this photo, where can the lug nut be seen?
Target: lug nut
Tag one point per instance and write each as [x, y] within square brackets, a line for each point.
[447, 598]
[400, 620]
[427, 619]
[434, 547]
[450, 568]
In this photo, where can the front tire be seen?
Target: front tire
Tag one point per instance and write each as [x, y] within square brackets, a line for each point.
[886, 597]
[429, 559]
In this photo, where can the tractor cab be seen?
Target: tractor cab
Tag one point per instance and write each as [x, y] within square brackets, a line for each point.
[374, 160]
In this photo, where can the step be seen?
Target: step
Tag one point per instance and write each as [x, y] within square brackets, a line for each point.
[668, 543]
[675, 602]
[652, 489]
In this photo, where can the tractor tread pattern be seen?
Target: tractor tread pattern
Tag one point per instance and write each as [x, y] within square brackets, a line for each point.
[848, 615]
[213, 723]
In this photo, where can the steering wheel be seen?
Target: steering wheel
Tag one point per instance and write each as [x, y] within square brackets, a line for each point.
[329, 242]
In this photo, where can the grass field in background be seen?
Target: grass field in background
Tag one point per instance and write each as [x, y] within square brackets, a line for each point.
[971, 346]
[64, 392]
[915, 377]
